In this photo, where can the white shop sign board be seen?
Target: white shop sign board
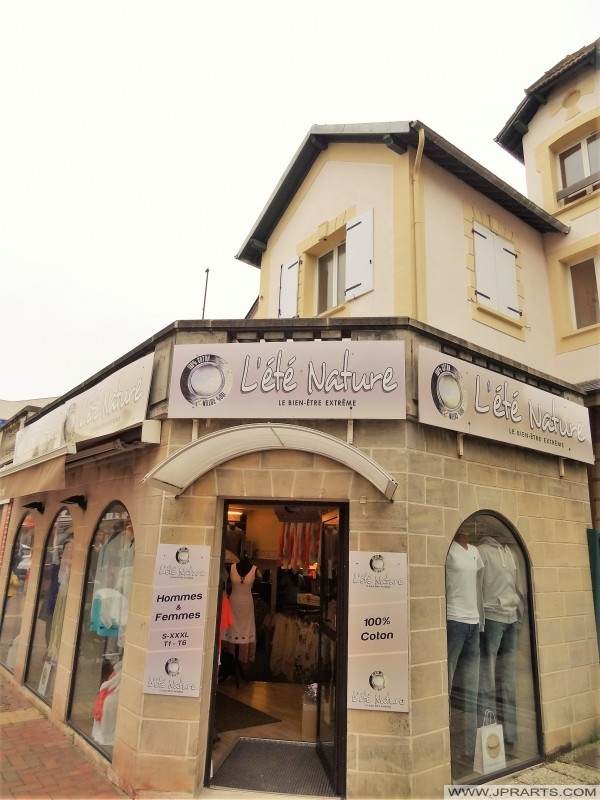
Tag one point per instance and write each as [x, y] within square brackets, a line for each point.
[378, 632]
[177, 621]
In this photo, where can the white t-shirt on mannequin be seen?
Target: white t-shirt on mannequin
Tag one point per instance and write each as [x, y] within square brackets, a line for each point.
[464, 572]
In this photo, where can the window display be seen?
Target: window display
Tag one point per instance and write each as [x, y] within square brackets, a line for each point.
[18, 580]
[51, 602]
[493, 703]
[97, 670]
[464, 621]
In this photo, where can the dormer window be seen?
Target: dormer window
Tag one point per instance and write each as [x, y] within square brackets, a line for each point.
[580, 169]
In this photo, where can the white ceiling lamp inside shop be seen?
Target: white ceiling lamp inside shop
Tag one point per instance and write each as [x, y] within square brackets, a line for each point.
[180, 470]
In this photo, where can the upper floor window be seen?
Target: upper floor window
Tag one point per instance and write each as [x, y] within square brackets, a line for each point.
[337, 267]
[584, 285]
[495, 272]
[580, 169]
[331, 278]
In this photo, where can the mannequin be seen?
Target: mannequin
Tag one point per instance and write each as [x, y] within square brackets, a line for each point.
[464, 621]
[503, 609]
[242, 633]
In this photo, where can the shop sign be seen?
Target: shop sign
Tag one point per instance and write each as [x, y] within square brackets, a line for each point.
[461, 396]
[177, 621]
[115, 404]
[304, 380]
[378, 632]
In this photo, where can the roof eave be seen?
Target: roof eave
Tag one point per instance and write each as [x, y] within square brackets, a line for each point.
[398, 136]
[511, 135]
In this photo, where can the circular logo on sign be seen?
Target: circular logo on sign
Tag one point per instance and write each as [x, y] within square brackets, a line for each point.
[182, 556]
[377, 563]
[377, 680]
[206, 380]
[172, 667]
[448, 391]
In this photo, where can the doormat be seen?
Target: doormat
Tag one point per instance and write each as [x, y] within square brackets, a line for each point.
[269, 765]
[231, 714]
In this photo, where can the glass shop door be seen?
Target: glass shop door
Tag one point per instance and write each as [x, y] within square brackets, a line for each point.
[331, 692]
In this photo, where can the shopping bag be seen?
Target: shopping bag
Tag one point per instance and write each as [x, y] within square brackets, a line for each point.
[489, 746]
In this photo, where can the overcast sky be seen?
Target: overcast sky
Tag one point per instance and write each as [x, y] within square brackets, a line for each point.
[140, 140]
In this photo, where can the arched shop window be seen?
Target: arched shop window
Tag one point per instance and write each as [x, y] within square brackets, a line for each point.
[494, 709]
[50, 607]
[97, 668]
[18, 579]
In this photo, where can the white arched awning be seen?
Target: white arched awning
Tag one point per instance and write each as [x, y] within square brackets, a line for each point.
[181, 469]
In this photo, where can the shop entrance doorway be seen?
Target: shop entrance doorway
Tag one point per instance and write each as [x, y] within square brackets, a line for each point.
[278, 719]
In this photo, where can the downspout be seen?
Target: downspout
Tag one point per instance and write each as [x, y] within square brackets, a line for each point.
[419, 249]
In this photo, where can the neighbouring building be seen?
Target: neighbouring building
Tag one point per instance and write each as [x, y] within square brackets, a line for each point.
[347, 546]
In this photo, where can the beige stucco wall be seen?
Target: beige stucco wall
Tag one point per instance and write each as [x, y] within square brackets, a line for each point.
[450, 209]
[346, 178]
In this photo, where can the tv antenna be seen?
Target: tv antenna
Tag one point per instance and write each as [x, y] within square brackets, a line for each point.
[205, 290]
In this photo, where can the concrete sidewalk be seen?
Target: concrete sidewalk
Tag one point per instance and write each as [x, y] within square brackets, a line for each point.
[38, 762]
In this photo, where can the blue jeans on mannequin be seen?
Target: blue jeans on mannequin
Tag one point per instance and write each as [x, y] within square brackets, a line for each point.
[463, 644]
[498, 675]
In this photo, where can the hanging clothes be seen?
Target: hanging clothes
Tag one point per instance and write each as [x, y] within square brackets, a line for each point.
[295, 647]
[299, 544]
[112, 585]
[105, 708]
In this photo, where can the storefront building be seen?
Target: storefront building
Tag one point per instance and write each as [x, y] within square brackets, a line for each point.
[341, 536]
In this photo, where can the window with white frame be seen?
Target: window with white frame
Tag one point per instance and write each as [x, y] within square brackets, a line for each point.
[343, 272]
[579, 167]
[346, 271]
[584, 287]
[496, 272]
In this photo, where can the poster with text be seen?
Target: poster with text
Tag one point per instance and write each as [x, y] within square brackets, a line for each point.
[177, 620]
[378, 632]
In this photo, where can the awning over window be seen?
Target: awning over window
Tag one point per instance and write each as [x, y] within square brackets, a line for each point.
[180, 470]
[43, 474]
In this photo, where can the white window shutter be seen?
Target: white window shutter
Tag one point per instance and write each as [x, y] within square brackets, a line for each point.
[485, 269]
[506, 271]
[359, 255]
[288, 289]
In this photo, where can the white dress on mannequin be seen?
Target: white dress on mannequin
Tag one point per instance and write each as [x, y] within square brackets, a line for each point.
[243, 630]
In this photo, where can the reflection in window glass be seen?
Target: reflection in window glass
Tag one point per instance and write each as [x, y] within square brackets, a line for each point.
[493, 702]
[18, 580]
[52, 598]
[97, 670]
